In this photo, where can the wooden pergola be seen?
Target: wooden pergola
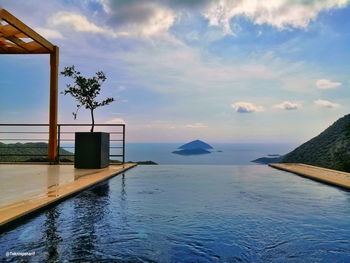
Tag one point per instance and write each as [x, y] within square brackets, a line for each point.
[17, 38]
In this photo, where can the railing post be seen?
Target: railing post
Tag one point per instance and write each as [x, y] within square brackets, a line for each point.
[123, 143]
[58, 142]
[52, 151]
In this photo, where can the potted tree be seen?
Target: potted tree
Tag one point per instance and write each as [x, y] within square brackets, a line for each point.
[91, 148]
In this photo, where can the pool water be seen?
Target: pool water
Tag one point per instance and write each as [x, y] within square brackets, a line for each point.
[191, 213]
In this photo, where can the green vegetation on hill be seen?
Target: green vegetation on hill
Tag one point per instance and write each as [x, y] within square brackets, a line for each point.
[39, 148]
[330, 149]
[31, 148]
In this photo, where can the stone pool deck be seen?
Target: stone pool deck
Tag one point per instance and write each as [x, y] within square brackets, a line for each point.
[26, 188]
[332, 177]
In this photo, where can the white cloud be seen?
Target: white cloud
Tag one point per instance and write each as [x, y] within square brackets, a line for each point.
[49, 33]
[246, 107]
[327, 84]
[278, 13]
[80, 23]
[116, 121]
[287, 105]
[326, 104]
[157, 24]
[197, 125]
[160, 124]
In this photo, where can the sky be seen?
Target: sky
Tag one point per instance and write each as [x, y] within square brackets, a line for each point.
[220, 71]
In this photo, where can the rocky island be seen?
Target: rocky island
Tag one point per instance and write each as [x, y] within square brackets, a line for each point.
[196, 147]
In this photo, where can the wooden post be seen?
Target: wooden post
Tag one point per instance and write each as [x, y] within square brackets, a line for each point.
[52, 149]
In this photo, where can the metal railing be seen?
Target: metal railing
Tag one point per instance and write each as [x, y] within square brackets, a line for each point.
[18, 133]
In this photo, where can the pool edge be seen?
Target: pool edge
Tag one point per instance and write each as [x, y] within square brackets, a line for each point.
[73, 189]
[303, 170]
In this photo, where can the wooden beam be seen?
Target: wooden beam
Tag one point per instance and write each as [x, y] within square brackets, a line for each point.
[13, 51]
[13, 21]
[21, 35]
[25, 48]
[34, 47]
[6, 49]
[9, 30]
[18, 42]
[54, 64]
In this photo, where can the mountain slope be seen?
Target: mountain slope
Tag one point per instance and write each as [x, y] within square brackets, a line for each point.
[31, 148]
[330, 149]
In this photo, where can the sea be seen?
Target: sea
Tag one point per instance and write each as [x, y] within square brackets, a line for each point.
[222, 154]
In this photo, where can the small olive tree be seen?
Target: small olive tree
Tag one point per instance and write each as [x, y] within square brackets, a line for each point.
[85, 91]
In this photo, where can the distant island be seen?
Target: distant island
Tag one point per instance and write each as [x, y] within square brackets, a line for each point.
[197, 144]
[196, 147]
[330, 149]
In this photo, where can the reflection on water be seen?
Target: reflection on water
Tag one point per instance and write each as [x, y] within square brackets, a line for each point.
[50, 236]
[192, 214]
[123, 188]
[89, 209]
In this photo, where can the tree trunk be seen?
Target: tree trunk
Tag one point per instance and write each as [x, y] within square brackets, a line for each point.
[93, 120]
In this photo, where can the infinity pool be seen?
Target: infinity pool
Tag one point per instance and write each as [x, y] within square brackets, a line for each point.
[191, 214]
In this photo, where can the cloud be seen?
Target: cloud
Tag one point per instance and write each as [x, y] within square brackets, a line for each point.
[327, 84]
[282, 14]
[246, 107]
[80, 23]
[116, 121]
[197, 125]
[49, 33]
[182, 67]
[326, 104]
[155, 18]
[287, 105]
[143, 18]
[157, 23]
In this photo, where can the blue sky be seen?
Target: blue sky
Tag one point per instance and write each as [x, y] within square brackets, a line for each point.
[221, 71]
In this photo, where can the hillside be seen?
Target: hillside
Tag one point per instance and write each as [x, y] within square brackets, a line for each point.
[330, 149]
[197, 144]
[27, 148]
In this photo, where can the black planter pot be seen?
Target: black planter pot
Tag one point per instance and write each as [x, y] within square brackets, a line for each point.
[91, 150]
